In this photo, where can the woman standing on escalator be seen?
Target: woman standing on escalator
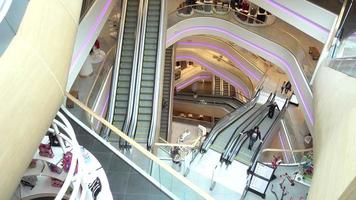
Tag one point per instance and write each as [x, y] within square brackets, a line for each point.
[253, 134]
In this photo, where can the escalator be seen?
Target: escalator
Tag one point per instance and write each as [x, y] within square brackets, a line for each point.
[126, 66]
[226, 126]
[241, 151]
[242, 126]
[142, 126]
[230, 102]
[166, 94]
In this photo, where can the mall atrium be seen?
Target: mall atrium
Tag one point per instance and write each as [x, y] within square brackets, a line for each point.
[177, 99]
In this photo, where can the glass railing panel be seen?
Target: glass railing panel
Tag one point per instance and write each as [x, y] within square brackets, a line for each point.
[104, 68]
[344, 65]
[172, 184]
[273, 32]
[117, 169]
[166, 177]
[288, 157]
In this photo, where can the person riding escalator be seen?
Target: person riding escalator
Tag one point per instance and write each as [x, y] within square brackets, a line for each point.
[272, 107]
[253, 134]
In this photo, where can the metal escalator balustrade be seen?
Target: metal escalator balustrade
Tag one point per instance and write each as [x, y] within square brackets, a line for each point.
[225, 122]
[166, 178]
[125, 64]
[249, 122]
[248, 157]
[242, 145]
[141, 127]
[166, 94]
[148, 71]
[227, 132]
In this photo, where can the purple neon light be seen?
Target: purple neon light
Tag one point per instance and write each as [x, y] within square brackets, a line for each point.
[90, 35]
[192, 80]
[206, 29]
[294, 14]
[280, 138]
[223, 51]
[212, 69]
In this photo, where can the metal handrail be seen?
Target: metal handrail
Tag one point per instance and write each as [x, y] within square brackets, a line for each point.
[222, 105]
[287, 150]
[257, 153]
[115, 75]
[138, 73]
[234, 146]
[158, 74]
[142, 150]
[216, 129]
[101, 67]
[192, 145]
[224, 100]
[132, 93]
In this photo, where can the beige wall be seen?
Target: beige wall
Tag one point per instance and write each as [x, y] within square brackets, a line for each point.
[334, 136]
[33, 75]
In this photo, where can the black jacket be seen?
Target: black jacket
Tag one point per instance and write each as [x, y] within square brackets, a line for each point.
[251, 131]
[272, 107]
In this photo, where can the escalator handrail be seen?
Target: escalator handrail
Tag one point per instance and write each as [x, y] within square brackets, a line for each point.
[138, 74]
[116, 67]
[223, 103]
[250, 105]
[158, 74]
[142, 150]
[131, 100]
[258, 150]
[234, 143]
[215, 130]
[237, 148]
[229, 100]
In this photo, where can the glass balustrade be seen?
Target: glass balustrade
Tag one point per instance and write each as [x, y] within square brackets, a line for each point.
[167, 178]
[270, 31]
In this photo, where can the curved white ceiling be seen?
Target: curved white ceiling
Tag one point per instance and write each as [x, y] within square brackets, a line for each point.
[4, 8]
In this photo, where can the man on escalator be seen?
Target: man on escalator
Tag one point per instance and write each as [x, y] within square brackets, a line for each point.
[272, 107]
[253, 134]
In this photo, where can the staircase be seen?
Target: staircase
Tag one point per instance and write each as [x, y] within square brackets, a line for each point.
[166, 93]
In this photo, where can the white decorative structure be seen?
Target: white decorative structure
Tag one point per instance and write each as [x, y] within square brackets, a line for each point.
[83, 173]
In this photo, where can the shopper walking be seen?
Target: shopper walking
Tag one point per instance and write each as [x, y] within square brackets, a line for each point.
[272, 107]
[253, 135]
[288, 87]
[283, 86]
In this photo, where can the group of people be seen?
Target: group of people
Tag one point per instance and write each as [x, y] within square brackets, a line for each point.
[286, 87]
[255, 134]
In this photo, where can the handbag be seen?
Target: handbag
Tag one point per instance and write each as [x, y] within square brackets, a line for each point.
[46, 150]
[54, 168]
